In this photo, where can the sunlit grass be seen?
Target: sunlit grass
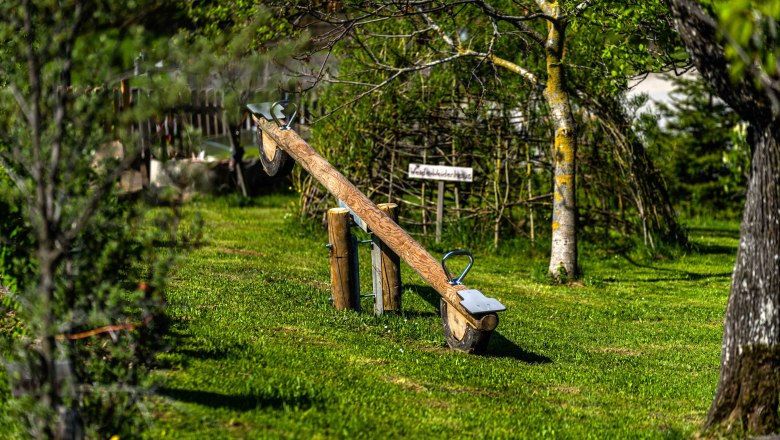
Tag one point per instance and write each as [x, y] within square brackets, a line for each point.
[257, 351]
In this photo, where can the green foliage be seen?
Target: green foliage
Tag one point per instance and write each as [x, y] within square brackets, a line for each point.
[238, 54]
[257, 349]
[606, 42]
[15, 239]
[213, 19]
[461, 114]
[752, 36]
[701, 145]
[612, 41]
[73, 250]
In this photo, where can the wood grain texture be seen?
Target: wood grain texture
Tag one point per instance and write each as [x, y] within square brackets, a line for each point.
[391, 266]
[391, 234]
[340, 259]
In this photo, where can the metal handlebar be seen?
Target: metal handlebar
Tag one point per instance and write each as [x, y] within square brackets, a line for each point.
[459, 279]
[285, 106]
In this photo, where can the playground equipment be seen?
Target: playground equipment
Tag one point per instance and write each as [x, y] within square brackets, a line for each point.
[468, 317]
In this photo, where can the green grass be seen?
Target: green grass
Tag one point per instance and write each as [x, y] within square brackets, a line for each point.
[257, 351]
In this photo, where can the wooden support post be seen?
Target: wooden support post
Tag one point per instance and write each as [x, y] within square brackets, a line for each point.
[341, 273]
[390, 265]
[124, 88]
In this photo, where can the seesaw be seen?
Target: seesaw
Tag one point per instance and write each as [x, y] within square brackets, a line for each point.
[468, 317]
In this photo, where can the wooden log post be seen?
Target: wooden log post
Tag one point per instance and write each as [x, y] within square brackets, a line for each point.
[345, 294]
[380, 224]
[389, 266]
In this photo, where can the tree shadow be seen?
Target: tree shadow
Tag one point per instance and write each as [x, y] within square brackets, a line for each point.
[685, 275]
[714, 249]
[184, 348]
[237, 402]
[717, 232]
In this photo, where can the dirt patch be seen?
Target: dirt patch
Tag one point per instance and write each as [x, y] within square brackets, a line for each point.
[440, 349]
[407, 384]
[287, 330]
[618, 351]
[369, 361]
[438, 404]
[469, 391]
[244, 252]
[571, 391]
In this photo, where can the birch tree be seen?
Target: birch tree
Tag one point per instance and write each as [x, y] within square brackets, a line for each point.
[540, 24]
[525, 44]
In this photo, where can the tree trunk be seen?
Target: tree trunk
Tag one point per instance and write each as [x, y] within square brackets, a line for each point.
[51, 398]
[747, 394]
[563, 255]
[749, 384]
[237, 154]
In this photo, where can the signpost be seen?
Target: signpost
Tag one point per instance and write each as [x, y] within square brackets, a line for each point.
[441, 173]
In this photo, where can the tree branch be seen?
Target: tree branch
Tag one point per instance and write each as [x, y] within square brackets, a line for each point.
[517, 21]
[699, 32]
[500, 62]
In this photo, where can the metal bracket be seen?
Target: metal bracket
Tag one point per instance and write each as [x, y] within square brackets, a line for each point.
[459, 279]
[358, 221]
[476, 303]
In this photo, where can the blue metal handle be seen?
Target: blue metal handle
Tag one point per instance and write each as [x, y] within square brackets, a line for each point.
[458, 280]
[286, 106]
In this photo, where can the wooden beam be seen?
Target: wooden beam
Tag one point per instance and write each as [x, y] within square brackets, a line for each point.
[380, 224]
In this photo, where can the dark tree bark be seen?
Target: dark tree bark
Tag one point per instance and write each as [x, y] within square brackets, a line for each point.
[749, 384]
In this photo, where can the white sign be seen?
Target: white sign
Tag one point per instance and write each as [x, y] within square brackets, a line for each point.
[441, 172]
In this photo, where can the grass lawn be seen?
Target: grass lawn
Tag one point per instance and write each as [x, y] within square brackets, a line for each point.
[257, 351]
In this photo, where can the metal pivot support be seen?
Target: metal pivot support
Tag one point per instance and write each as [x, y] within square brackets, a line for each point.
[459, 279]
[385, 264]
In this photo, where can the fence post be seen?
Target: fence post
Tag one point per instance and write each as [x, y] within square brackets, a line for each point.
[345, 294]
[390, 266]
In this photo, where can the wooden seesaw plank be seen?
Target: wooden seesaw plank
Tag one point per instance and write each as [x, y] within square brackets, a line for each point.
[395, 237]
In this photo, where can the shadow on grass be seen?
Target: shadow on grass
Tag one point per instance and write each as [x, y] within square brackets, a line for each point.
[237, 402]
[417, 314]
[499, 346]
[717, 232]
[428, 293]
[714, 249]
[684, 274]
[184, 348]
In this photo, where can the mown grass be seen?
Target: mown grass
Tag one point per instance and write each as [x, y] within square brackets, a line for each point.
[257, 351]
